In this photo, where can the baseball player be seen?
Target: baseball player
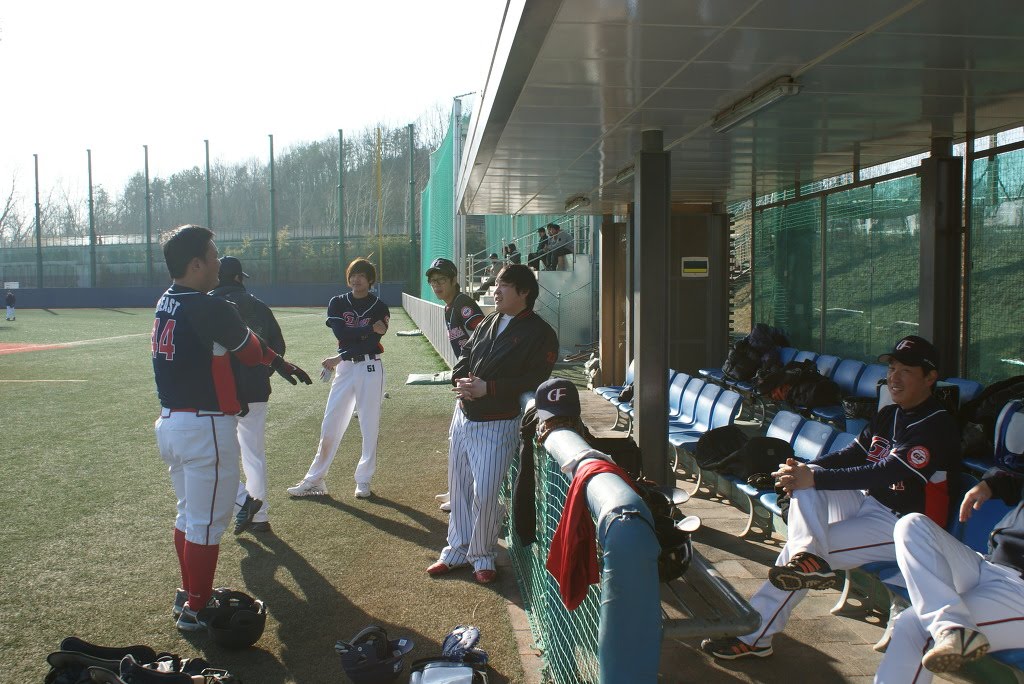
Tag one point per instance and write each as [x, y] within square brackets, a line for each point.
[962, 603]
[10, 299]
[359, 319]
[197, 344]
[254, 390]
[845, 505]
[461, 316]
[511, 352]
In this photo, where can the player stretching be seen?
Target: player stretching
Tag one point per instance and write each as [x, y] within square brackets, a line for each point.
[254, 390]
[845, 505]
[461, 316]
[359, 319]
[511, 352]
[196, 341]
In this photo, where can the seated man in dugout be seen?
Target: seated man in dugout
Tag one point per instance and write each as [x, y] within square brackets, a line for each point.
[845, 505]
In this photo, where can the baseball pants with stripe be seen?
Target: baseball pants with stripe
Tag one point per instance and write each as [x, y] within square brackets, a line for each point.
[950, 585]
[201, 453]
[847, 528]
[479, 455]
[252, 440]
[357, 385]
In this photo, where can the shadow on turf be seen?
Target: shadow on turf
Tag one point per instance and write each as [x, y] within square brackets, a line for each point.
[426, 536]
[791, 657]
[126, 313]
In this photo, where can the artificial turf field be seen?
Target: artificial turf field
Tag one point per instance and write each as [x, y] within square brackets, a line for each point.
[87, 509]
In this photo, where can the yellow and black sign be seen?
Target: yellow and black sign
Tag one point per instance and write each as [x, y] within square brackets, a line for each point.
[695, 267]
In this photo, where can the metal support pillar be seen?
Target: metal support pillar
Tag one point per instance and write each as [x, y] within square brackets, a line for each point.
[652, 190]
[941, 214]
[92, 226]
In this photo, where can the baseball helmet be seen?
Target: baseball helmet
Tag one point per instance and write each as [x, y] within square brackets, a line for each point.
[1009, 451]
[234, 619]
[371, 658]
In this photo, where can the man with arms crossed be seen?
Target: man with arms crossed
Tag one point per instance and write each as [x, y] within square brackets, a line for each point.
[845, 505]
[511, 352]
[962, 603]
[254, 390]
[461, 316]
[196, 341]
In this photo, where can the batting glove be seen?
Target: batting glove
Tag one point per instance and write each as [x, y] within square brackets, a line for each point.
[289, 371]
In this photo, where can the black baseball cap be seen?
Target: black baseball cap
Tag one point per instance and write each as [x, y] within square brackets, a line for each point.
[557, 397]
[443, 266]
[230, 266]
[913, 351]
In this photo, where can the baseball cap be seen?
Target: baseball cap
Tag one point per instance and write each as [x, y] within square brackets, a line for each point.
[493, 256]
[443, 266]
[913, 351]
[231, 266]
[557, 397]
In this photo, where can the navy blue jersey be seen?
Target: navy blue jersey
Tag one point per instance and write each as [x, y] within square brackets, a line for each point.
[902, 458]
[193, 335]
[461, 316]
[253, 381]
[352, 321]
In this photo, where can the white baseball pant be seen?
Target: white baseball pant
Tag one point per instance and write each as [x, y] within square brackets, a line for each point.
[252, 440]
[10, 312]
[357, 385]
[950, 585]
[479, 455]
[847, 528]
[201, 452]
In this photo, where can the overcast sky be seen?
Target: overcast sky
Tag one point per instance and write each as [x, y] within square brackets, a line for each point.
[112, 75]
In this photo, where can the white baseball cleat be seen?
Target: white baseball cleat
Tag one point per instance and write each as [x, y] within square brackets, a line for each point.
[304, 488]
[362, 490]
[443, 498]
[954, 647]
[446, 507]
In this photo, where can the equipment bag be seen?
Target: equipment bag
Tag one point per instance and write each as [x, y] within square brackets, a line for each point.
[715, 445]
[743, 361]
[445, 671]
[758, 455]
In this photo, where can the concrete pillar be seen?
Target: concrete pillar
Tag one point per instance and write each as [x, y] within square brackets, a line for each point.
[941, 253]
[652, 193]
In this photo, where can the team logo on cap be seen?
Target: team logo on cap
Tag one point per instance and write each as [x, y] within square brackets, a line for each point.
[555, 395]
[905, 345]
[919, 456]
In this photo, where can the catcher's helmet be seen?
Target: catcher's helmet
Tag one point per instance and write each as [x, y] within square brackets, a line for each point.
[234, 619]
[370, 657]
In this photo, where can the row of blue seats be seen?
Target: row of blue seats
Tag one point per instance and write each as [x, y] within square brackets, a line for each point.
[854, 378]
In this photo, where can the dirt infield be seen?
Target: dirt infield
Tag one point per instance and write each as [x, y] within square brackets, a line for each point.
[18, 347]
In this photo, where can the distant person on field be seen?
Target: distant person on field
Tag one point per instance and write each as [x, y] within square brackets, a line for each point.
[559, 247]
[254, 391]
[359, 320]
[461, 316]
[10, 299]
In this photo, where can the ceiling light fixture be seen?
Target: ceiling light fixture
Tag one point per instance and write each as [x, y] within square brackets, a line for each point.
[576, 202]
[625, 175]
[732, 116]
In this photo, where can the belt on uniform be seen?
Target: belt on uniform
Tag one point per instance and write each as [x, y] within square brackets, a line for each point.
[202, 413]
[362, 357]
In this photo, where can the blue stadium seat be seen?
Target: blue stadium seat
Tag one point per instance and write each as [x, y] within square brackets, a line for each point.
[827, 364]
[805, 356]
[688, 406]
[1009, 436]
[785, 425]
[702, 414]
[842, 440]
[813, 440]
[724, 412]
[675, 393]
[786, 354]
[847, 374]
[867, 383]
[612, 391]
[969, 389]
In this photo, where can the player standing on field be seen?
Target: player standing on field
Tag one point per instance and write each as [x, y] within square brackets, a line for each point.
[359, 319]
[10, 305]
[461, 316]
[195, 340]
[511, 352]
[254, 391]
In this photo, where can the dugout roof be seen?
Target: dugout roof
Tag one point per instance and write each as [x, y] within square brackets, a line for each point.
[574, 82]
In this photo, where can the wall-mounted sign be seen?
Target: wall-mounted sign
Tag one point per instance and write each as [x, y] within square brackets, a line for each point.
[695, 267]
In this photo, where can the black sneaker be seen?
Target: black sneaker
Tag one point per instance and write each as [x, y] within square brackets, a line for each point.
[803, 571]
[263, 526]
[243, 519]
[731, 648]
